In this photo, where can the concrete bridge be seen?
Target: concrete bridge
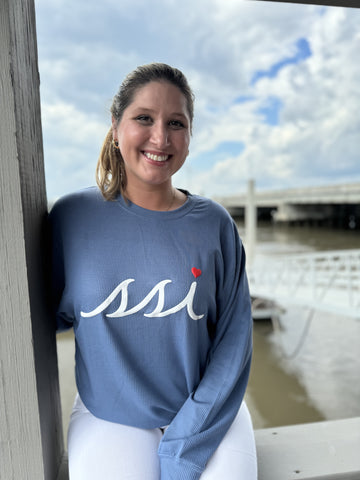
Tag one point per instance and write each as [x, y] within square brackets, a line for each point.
[340, 203]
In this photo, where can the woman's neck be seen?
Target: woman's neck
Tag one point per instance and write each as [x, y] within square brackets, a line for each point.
[156, 199]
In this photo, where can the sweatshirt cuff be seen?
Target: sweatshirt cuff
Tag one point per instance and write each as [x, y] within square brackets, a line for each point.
[172, 469]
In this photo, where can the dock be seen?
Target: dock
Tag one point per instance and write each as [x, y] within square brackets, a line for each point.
[328, 450]
[327, 281]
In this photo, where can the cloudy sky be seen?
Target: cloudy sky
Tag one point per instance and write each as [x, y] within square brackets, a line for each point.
[276, 86]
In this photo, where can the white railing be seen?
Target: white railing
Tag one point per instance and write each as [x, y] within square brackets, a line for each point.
[327, 281]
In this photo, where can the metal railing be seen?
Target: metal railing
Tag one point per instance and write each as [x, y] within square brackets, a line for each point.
[327, 281]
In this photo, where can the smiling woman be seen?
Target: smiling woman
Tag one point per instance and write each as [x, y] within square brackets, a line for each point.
[153, 281]
[154, 108]
[153, 137]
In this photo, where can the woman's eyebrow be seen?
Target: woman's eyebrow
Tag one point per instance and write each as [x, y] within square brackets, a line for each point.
[150, 110]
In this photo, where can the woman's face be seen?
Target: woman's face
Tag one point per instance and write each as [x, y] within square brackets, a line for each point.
[154, 135]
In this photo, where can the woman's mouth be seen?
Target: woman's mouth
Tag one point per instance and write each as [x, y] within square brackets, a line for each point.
[155, 157]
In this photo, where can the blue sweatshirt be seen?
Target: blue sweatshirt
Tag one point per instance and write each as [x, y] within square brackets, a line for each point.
[160, 306]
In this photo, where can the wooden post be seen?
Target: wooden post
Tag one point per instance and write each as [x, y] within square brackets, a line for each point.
[31, 443]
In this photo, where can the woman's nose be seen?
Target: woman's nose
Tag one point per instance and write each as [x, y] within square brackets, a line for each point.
[160, 135]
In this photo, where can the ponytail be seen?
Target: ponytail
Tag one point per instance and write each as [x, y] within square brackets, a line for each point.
[110, 170]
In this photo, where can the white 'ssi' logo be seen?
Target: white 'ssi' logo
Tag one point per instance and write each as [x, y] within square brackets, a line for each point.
[159, 290]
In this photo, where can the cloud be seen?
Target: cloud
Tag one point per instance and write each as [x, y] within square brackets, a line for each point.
[302, 52]
[72, 141]
[279, 80]
[315, 138]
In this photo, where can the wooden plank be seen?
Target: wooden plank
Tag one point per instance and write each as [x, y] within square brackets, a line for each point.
[64, 469]
[323, 450]
[328, 3]
[31, 444]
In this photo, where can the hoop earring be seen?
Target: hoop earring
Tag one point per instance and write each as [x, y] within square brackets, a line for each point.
[115, 144]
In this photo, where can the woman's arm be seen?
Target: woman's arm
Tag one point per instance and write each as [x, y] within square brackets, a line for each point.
[57, 276]
[207, 414]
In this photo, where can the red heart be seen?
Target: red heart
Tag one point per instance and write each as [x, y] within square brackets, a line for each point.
[196, 272]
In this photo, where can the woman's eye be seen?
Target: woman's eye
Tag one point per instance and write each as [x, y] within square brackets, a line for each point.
[176, 124]
[143, 119]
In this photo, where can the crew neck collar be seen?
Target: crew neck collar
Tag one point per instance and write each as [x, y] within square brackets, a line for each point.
[160, 214]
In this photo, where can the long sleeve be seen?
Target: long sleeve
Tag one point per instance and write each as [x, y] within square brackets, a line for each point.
[201, 423]
[63, 318]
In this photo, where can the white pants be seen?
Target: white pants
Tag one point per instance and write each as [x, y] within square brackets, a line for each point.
[109, 451]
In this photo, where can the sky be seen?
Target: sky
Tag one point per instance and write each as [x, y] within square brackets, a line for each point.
[276, 87]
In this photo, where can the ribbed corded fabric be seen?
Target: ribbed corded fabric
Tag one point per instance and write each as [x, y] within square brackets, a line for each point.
[160, 306]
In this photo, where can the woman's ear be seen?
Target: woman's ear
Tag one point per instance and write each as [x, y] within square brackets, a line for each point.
[114, 125]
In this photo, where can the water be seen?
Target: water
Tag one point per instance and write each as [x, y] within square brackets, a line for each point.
[306, 366]
[305, 369]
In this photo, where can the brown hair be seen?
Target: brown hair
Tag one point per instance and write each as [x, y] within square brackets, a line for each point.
[110, 170]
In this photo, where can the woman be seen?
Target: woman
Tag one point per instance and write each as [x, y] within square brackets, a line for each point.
[152, 279]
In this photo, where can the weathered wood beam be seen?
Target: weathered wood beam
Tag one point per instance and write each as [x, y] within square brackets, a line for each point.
[31, 443]
[329, 3]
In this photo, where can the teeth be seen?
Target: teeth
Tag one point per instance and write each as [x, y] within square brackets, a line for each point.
[156, 158]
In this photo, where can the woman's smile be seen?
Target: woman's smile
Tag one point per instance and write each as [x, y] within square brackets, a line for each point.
[157, 157]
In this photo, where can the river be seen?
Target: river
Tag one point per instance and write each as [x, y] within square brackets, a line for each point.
[304, 370]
